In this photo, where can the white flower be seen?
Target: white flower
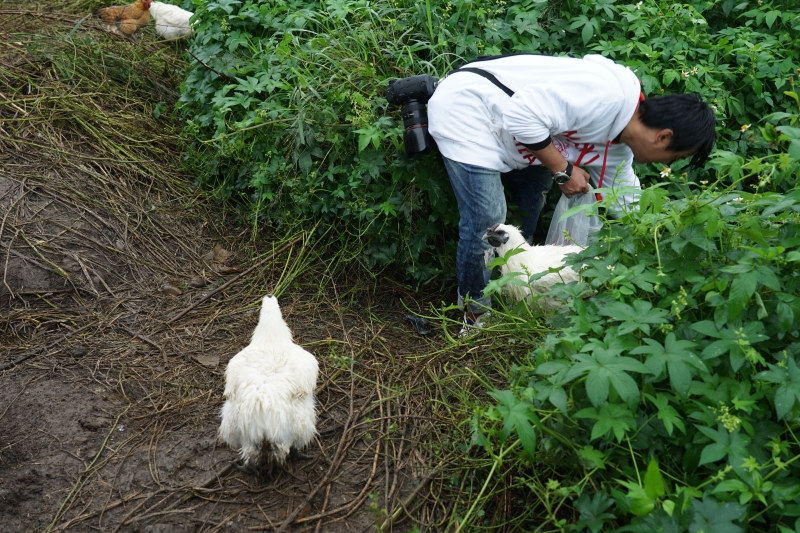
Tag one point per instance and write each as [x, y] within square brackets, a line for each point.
[685, 74]
[610, 268]
[714, 108]
[704, 182]
[666, 172]
[738, 199]
[745, 127]
[694, 70]
[638, 5]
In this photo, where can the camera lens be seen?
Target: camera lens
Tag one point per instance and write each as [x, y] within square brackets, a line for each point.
[415, 120]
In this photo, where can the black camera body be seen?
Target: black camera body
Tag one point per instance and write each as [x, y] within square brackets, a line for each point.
[413, 94]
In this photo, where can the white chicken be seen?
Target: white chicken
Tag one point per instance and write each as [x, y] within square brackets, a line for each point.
[172, 22]
[533, 260]
[269, 391]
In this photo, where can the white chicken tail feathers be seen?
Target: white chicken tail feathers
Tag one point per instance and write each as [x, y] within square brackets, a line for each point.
[264, 422]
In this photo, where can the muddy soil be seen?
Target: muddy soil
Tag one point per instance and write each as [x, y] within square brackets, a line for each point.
[125, 292]
[109, 412]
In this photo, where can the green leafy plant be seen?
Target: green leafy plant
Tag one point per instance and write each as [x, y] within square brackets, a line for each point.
[665, 396]
[285, 115]
[672, 377]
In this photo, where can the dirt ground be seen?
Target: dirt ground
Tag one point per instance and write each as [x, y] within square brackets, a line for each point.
[125, 293]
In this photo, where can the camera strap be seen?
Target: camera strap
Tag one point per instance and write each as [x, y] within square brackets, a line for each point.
[488, 75]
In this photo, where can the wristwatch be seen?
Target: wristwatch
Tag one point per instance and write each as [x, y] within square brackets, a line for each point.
[562, 177]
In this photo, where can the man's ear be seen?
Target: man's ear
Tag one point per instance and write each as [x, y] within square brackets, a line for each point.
[664, 138]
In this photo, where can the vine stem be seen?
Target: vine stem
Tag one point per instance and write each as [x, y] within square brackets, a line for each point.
[497, 461]
[633, 456]
[787, 463]
[658, 250]
[779, 468]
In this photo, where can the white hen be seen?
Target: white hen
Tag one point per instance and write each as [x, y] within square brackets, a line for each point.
[269, 391]
[172, 22]
[533, 260]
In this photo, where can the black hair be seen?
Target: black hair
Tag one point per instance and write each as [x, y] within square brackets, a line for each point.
[690, 119]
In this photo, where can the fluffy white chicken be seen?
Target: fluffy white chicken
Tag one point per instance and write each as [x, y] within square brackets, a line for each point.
[172, 22]
[269, 391]
[533, 260]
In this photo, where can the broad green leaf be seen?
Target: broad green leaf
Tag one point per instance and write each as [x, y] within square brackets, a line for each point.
[767, 277]
[518, 416]
[735, 339]
[593, 511]
[731, 485]
[754, 235]
[587, 32]
[363, 140]
[713, 453]
[613, 418]
[742, 288]
[638, 316]
[558, 397]
[667, 414]
[676, 356]
[552, 367]
[502, 260]
[789, 380]
[653, 197]
[669, 76]
[642, 506]
[762, 311]
[794, 150]
[785, 316]
[714, 517]
[733, 445]
[594, 456]
[771, 16]
[597, 385]
[707, 327]
[653, 482]
[641, 503]
[709, 216]
[605, 368]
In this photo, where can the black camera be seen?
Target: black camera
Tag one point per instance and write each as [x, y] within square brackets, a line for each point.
[413, 94]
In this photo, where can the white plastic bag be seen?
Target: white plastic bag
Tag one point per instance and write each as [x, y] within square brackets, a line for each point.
[577, 228]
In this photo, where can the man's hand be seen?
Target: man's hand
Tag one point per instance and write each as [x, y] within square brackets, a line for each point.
[578, 183]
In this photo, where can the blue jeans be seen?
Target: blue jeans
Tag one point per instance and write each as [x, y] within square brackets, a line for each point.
[482, 204]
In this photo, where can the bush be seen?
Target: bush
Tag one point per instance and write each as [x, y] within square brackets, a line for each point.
[285, 112]
[673, 380]
[285, 105]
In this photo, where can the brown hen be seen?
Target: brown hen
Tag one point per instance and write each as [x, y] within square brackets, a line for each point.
[124, 20]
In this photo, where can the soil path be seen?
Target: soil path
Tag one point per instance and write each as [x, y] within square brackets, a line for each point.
[109, 401]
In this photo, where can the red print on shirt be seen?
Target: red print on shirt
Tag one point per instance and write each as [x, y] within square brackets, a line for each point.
[561, 146]
[526, 154]
[586, 150]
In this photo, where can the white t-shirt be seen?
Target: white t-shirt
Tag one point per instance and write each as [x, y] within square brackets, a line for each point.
[582, 104]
